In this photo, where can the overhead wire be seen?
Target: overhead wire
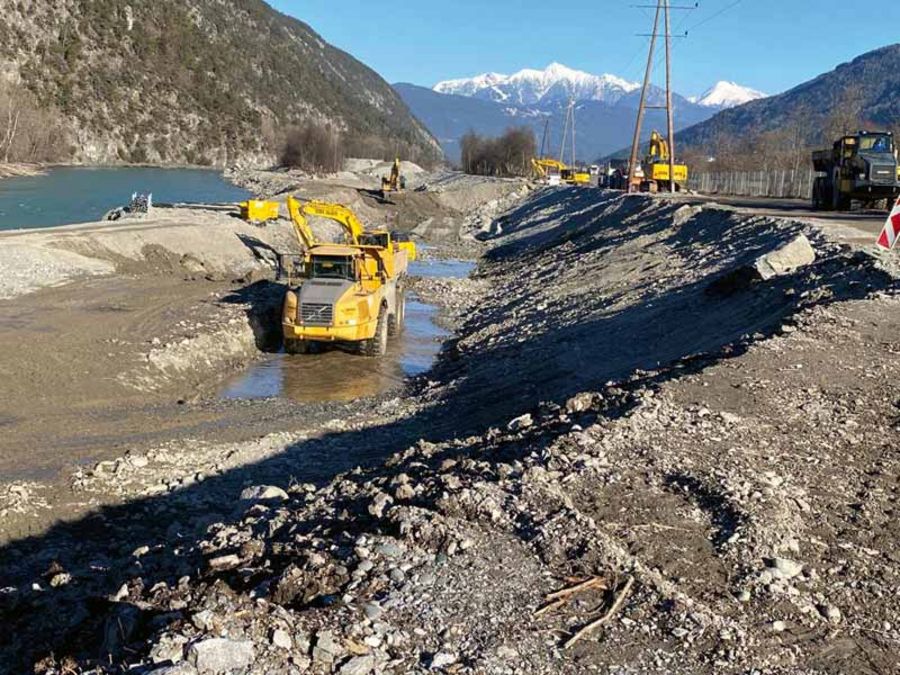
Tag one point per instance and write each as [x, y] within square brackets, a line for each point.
[659, 60]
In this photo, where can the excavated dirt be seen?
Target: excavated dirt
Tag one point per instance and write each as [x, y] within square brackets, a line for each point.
[625, 402]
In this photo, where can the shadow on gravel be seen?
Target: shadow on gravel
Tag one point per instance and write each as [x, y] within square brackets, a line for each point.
[263, 300]
[672, 332]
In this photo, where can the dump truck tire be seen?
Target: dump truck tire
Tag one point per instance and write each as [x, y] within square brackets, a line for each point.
[297, 346]
[377, 345]
[839, 202]
[397, 319]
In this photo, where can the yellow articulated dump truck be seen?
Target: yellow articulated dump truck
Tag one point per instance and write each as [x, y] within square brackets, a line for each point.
[345, 293]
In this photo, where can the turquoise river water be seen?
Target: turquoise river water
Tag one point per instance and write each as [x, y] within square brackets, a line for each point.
[84, 194]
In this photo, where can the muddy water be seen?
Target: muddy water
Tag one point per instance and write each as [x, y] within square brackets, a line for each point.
[337, 375]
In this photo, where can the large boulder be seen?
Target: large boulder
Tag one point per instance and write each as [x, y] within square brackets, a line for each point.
[220, 655]
[785, 259]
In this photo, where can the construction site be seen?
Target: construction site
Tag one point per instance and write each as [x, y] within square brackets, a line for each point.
[393, 420]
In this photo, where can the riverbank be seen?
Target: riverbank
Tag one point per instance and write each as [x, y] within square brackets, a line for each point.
[15, 170]
[625, 404]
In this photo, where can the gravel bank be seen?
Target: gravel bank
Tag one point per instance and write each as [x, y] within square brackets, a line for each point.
[630, 405]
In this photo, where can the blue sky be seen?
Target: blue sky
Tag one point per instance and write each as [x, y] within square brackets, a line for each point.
[769, 45]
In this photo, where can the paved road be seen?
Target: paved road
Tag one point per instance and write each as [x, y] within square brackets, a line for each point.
[857, 227]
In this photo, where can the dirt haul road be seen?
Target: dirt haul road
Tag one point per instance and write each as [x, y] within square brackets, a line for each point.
[860, 227]
[692, 409]
[116, 337]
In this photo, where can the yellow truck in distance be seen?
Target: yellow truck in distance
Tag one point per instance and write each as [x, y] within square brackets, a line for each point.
[348, 293]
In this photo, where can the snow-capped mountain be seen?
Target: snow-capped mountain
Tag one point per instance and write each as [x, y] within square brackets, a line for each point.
[556, 83]
[472, 85]
[606, 107]
[727, 95]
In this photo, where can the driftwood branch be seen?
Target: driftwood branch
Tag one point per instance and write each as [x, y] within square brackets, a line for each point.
[610, 613]
[559, 598]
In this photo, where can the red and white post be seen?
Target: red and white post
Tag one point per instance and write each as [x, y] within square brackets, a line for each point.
[891, 232]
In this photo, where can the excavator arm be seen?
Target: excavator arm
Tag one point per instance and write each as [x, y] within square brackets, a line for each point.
[659, 148]
[301, 224]
[335, 212]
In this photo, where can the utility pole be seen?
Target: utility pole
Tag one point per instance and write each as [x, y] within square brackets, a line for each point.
[670, 115]
[545, 139]
[572, 113]
[663, 7]
[635, 145]
[565, 137]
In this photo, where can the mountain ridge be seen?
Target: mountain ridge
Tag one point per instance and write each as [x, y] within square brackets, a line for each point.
[559, 83]
[865, 90]
[194, 81]
[600, 126]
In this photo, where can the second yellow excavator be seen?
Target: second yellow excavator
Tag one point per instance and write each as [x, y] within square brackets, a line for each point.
[396, 182]
[656, 167]
[554, 172]
[350, 292]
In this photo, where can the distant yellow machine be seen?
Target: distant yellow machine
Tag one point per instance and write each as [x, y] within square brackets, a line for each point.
[350, 292]
[553, 171]
[656, 167]
[576, 176]
[396, 182]
[259, 211]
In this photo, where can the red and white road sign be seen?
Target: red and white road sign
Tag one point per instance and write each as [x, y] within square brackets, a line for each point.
[891, 232]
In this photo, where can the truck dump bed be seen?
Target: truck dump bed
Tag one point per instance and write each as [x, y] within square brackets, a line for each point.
[823, 160]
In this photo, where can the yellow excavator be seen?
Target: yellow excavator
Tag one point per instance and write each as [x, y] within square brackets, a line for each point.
[547, 170]
[554, 172]
[349, 292]
[396, 182]
[656, 167]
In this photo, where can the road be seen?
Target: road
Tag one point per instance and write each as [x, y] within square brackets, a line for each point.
[857, 227]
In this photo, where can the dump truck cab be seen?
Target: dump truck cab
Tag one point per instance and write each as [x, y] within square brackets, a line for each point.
[861, 167]
[347, 293]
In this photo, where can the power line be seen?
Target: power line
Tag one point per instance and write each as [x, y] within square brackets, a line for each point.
[715, 16]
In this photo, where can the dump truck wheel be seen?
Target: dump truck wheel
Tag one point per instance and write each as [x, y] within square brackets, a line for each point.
[397, 319]
[377, 346]
[297, 346]
[839, 202]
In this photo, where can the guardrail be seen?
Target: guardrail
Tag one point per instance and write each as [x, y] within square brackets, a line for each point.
[785, 184]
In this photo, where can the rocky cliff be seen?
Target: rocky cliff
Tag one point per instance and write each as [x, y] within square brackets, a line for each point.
[196, 81]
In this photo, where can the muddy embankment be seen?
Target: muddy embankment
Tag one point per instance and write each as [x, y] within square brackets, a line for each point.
[654, 401]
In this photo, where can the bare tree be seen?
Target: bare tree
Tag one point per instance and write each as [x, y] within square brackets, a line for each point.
[313, 147]
[845, 112]
[28, 132]
[508, 155]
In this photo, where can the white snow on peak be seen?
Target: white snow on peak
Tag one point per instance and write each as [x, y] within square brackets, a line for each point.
[556, 83]
[469, 86]
[727, 95]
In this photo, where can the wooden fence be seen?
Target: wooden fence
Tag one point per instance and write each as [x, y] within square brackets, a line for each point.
[776, 183]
